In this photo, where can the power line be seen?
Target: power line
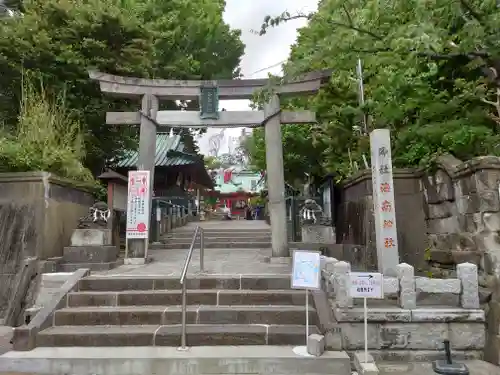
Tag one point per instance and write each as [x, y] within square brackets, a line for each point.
[266, 68]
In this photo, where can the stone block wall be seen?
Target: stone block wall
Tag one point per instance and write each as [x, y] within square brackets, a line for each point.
[38, 213]
[462, 208]
[356, 224]
[445, 216]
[416, 315]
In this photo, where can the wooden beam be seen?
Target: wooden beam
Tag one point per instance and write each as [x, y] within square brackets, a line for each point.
[227, 119]
[190, 90]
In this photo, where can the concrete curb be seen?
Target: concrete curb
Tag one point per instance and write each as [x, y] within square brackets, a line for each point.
[365, 367]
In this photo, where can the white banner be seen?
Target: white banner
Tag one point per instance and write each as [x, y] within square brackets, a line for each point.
[138, 202]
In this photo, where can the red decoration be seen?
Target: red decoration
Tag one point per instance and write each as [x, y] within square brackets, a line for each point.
[228, 175]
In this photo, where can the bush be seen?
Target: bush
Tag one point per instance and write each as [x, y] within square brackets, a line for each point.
[45, 138]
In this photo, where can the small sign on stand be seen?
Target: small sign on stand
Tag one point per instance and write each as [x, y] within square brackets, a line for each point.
[306, 274]
[366, 285]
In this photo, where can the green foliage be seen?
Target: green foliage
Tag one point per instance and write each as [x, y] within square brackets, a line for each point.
[297, 159]
[430, 75]
[59, 40]
[45, 138]
[211, 162]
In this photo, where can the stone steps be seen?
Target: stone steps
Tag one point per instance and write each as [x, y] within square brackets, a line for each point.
[169, 335]
[194, 297]
[146, 360]
[233, 282]
[221, 231]
[171, 315]
[217, 245]
[243, 238]
[239, 238]
[141, 311]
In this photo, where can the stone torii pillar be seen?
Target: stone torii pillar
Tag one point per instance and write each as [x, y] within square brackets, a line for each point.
[209, 93]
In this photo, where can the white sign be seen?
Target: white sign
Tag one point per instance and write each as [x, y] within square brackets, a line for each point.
[366, 285]
[306, 269]
[138, 202]
[383, 202]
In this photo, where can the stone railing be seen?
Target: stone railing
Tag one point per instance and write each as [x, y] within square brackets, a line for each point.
[335, 275]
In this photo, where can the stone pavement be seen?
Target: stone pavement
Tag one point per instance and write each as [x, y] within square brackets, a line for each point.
[229, 261]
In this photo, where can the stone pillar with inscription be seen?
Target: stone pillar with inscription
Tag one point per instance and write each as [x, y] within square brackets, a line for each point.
[383, 202]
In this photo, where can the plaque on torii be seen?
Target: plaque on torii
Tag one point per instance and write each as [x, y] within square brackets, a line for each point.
[209, 101]
[208, 93]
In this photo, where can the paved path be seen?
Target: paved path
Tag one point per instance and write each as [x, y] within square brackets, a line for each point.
[217, 261]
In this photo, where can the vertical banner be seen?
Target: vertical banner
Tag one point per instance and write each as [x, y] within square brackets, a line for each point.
[138, 205]
[383, 202]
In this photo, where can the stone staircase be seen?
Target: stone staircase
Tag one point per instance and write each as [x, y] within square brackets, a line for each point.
[240, 238]
[146, 311]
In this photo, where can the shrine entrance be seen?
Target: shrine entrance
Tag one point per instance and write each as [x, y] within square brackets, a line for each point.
[151, 120]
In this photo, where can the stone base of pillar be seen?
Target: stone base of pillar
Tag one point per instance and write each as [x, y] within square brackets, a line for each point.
[318, 234]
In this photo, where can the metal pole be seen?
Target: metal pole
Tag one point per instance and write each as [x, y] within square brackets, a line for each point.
[365, 313]
[359, 70]
[307, 317]
[183, 316]
[202, 250]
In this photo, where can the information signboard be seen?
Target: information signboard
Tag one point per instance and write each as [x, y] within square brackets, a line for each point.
[138, 202]
[306, 269]
[366, 285]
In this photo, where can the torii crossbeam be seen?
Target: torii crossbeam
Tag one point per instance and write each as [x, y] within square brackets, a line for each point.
[151, 120]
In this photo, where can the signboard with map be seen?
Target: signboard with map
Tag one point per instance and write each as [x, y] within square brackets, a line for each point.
[306, 269]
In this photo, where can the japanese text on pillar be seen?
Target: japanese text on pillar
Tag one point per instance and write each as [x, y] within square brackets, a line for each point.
[386, 198]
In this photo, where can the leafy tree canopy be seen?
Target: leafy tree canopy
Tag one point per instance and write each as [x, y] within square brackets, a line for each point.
[430, 75]
[59, 40]
[45, 138]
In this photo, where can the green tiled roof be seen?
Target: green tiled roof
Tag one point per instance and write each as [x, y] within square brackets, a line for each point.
[169, 153]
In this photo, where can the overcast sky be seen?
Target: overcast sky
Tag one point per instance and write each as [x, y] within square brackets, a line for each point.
[261, 52]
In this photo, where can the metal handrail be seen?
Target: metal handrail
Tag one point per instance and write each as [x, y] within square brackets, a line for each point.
[198, 230]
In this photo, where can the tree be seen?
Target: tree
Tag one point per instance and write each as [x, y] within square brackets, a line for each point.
[297, 160]
[430, 76]
[59, 40]
[212, 162]
[45, 138]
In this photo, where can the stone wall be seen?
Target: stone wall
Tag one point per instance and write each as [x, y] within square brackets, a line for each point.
[463, 214]
[356, 224]
[416, 314]
[444, 217]
[38, 213]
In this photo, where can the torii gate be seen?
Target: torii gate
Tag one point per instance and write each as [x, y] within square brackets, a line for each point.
[209, 92]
